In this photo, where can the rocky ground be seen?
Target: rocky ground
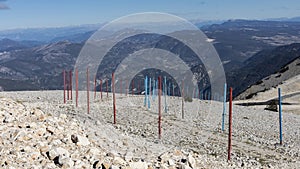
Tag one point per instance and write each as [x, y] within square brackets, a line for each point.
[39, 131]
[290, 96]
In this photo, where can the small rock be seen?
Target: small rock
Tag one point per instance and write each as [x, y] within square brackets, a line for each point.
[171, 162]
[56, 142]
[191, 161]
[128, 156]
[35, 155]
[40, 131]
[58, 152]
[163, 166]
[184, 166]
[138, 165]
[119, 161]
[114, 167]
[65, 161]
[80, 140]
[8, 119]
[74, 138]
[93, 151]
[63, 116]
[96, 164]
[105, 165]
[164, 157]
[50, 129]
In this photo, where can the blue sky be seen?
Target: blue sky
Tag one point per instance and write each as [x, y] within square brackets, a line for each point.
[56, 13]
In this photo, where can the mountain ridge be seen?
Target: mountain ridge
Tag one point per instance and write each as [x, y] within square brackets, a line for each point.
[238, 42]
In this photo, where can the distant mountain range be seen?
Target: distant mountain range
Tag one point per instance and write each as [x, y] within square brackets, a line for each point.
[262, 65]
[250, 51]
[288, 71]
[47, 34]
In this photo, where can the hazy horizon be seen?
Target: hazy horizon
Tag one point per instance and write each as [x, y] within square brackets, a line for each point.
[19, 14]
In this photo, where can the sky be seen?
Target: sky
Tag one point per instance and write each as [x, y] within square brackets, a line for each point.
[58, 13]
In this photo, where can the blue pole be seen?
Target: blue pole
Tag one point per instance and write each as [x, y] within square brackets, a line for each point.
[169, 89]
[199, 94]
[153, 89]
[187, 91]
[149, 93]
[224, 107]
[146, 81]
[173, 89]
[165, 91]
[150, 87]
[280, 115]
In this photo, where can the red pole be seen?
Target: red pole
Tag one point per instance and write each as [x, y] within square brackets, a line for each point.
[101, 89]
[159, 107]
[71, 84]
[76, 83]
[106, 88]
[95, 87]
[88, 90]
[68, 85]
[230, 124]
[64, 76]
[114, 97]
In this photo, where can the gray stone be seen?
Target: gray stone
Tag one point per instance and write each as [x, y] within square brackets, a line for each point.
[191, 161]
[54, 152]
[138, 165]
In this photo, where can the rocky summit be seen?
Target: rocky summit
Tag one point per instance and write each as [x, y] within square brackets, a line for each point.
[32, 138]
[39, 131]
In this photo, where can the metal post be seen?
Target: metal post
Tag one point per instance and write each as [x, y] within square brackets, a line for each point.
[132, 85]
[159, 107]
[64, 77]
[154, 89]
[95, 88]
[107, 88]
[173, 91]
[146, 93]
[165, 86]
[182, 101]
[76, 83]
[126, 88]
[88, 90]
[68, 85]
[138, 87]
[121, 87]
[187, 91]
[280, 115]
[114, 97]
[101, 89]
[71, 97]
[224, 107]
[149, 90]
[230, 124]
[169, 89]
